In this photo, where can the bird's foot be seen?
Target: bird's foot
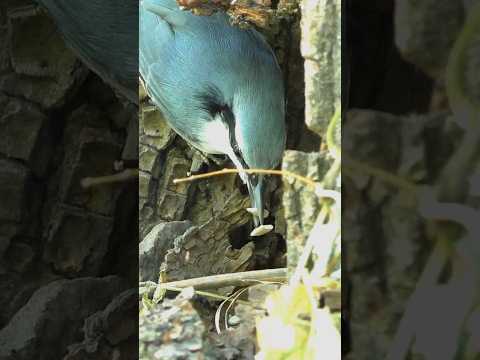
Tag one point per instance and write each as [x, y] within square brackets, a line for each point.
[210, 159]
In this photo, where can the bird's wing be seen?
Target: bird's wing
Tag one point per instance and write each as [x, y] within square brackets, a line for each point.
[104, 35]
[170, 56]
[155, 39]
[183, 57]
[157, 50]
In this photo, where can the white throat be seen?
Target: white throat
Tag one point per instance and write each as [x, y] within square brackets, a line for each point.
[215, 139]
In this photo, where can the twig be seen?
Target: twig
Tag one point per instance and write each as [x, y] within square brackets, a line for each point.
[233, 279]
[125, 175]
[380, 174]
[301, 178]
[231, 300]
[215, 297]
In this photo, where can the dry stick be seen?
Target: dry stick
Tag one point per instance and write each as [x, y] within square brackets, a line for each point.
[385, 176]
[127, 174]
[231, 300]
[233, 279]
[235, 298]
[215, 297]
[147, 286]
[303, 179]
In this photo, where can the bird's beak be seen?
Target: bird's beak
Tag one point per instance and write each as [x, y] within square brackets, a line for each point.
[256, 197]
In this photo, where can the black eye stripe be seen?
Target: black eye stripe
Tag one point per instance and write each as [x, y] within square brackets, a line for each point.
[210, 100]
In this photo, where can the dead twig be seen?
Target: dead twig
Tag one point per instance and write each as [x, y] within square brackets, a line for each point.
[233, 279]
[304, 179]
[125, 175]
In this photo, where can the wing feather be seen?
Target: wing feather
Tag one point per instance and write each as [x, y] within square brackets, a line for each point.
[104, 35]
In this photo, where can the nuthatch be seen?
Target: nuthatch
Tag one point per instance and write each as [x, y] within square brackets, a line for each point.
[218, 86]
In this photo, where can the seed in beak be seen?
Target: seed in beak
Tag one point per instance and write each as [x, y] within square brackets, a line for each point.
[261, 230]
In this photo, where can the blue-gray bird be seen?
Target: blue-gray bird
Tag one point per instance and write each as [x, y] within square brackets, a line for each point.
[218, 86]
[104, 35]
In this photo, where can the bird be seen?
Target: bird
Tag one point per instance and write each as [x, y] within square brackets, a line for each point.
[104, 35]
[220, 87]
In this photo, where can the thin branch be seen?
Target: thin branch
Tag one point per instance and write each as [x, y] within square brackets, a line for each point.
[233, 279]
[378, 173]
[215, 297]
[125, 175]
[303, 179]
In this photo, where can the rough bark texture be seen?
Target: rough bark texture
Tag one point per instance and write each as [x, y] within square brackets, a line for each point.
[218, 238]
[174, 330]
[419, 29]
[301, 205]
[37, 326]
[387, 243]
[59, 123]
[321, 50]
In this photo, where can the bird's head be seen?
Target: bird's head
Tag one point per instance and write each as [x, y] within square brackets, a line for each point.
[260, 137]
[248, 98]
[256, 134]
